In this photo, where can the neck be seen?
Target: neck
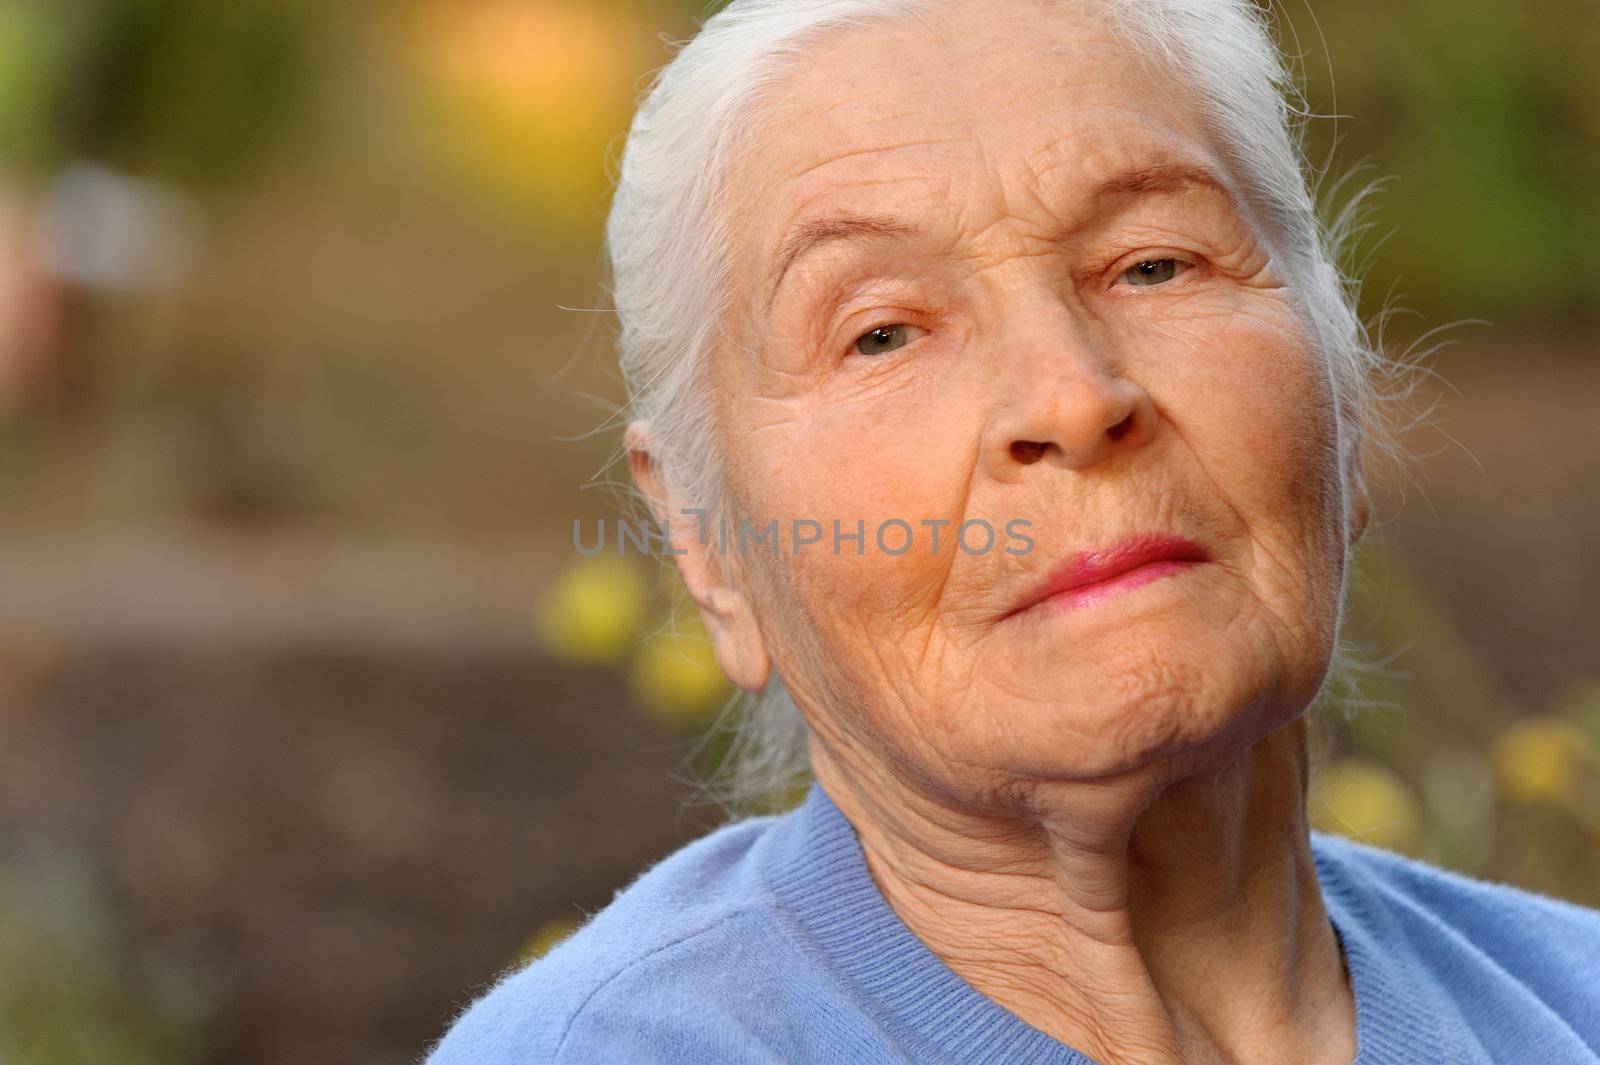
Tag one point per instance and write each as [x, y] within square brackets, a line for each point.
[1180, 924]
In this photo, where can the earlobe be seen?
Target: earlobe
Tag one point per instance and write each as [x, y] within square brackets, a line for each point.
[1360, 505]
[736, 637]
[1358, 501]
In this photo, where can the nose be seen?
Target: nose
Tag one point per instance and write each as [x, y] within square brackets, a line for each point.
[1062, 398]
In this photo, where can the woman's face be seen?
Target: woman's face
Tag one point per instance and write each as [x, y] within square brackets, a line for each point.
[993, 272]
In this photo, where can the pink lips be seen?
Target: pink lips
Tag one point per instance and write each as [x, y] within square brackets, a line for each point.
[1092, 576]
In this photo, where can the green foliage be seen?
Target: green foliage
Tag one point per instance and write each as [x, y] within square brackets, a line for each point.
[1488, 117]
[71, 990]
[195, 91]
[31, 72]
[1434, 760]
[192, 91]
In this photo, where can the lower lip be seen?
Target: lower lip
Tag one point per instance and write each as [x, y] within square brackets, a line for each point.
[1089, 594]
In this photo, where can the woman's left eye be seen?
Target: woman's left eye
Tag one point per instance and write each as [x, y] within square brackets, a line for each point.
[1153, 271]
[884, 339]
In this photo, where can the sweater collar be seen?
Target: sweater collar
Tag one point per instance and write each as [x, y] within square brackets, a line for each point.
[816, 869]
[1399, 1003]
[818, 872]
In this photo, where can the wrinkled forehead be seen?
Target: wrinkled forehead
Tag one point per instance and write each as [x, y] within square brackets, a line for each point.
[1001, 115]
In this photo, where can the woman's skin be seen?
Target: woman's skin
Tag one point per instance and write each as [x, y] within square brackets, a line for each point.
[1095, 816]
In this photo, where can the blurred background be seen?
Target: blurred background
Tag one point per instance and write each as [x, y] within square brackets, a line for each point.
[312, 721]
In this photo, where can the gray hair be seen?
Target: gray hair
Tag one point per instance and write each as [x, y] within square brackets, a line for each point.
[668, 240]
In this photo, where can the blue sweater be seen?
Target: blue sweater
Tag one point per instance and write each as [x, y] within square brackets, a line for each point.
[768, 941]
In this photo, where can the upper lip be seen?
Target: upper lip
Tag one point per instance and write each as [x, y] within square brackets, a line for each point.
[1094, 566]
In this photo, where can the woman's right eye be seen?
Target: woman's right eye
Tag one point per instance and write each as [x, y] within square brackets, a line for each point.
[884, 339]
[1153, 272]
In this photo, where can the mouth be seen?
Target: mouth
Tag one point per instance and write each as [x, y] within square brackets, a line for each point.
[1092, 577]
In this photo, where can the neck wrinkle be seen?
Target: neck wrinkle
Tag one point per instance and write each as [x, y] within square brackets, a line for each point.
[1184, 927]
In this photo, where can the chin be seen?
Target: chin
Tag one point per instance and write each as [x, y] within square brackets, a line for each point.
[1180, 694]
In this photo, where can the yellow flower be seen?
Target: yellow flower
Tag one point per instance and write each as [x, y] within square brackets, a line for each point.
[1543, 759]
[1366, 801]
[592, 614]
[544, 940]
[529, 92]
[676, 676]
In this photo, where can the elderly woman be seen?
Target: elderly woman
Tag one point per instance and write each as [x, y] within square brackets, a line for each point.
[935, 266]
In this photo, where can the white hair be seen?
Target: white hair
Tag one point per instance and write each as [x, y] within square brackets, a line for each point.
[668, 240]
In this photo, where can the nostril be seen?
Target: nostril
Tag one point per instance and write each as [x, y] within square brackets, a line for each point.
[1028, 452]
[1120, 430]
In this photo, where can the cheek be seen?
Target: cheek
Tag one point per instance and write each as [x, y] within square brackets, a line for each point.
[1255, 406]
[899, 449]
[1254, 402]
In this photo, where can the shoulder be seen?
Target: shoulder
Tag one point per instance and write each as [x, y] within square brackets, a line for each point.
[1493, 971]
[1535, 938]
[662, 952]
[1468, 897]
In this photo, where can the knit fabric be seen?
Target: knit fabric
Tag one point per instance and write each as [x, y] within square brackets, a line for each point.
[768, 941]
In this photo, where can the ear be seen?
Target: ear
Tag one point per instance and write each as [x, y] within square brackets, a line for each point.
[1360, 503]
[707, 571]
[1356, 488]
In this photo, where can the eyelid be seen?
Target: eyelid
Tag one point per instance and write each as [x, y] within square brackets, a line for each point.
[1185, 260]
[855, 335]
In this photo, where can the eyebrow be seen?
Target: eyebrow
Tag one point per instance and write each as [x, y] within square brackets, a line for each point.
[810, 235]
[1162, 177]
